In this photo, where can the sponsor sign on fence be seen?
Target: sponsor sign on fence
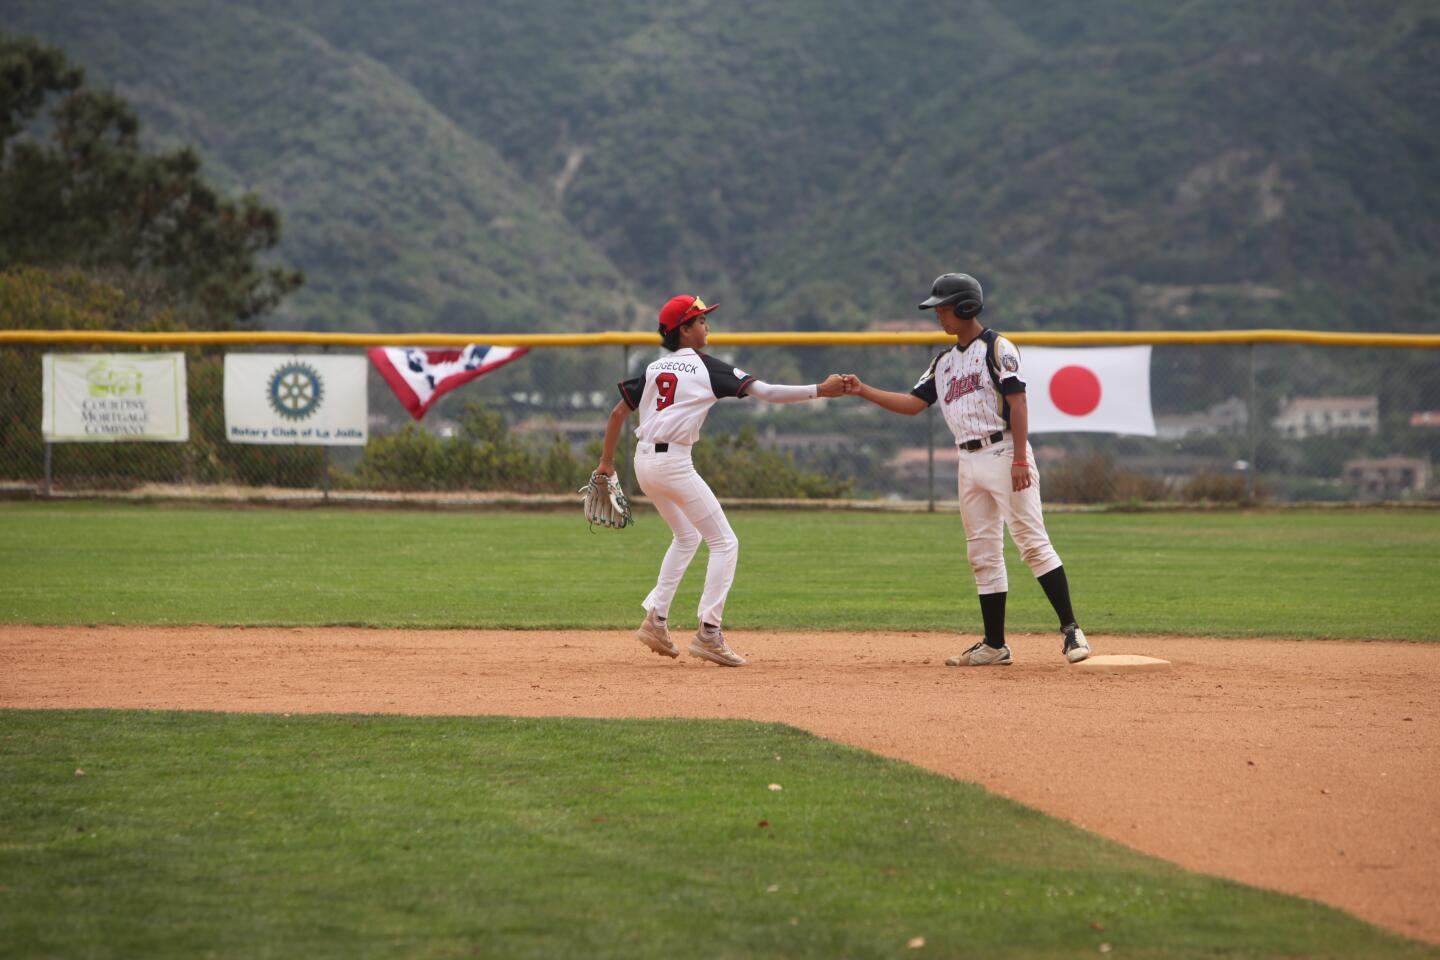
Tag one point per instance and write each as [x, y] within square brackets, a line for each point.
[295, 399]
[109, 397]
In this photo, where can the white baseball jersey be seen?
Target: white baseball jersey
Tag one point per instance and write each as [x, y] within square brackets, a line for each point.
[676, 394]
[961, 380]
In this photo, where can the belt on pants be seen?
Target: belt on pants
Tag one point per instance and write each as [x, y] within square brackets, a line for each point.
[643, 447]
[979, 442]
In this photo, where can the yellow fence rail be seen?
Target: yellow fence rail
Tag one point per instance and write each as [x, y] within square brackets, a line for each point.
[1240, 416]
[625, 338]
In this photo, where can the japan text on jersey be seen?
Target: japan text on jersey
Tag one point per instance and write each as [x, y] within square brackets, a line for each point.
[676, 393]
[970, 388]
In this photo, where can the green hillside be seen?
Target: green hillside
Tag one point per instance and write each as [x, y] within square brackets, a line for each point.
[495, 166]
[401, 219]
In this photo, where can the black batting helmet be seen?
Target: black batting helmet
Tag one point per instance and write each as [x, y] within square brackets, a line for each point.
[961, 289]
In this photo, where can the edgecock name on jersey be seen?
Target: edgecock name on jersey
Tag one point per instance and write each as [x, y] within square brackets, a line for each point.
[677, 365]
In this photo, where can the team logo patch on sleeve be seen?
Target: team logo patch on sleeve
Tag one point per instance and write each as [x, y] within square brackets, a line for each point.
[739, 374]
[1010, 362]
[928, 375]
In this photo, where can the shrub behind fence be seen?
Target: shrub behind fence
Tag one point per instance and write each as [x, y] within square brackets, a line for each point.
[1237, 422]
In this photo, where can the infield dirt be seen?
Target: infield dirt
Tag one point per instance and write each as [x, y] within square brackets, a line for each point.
[1312, 768]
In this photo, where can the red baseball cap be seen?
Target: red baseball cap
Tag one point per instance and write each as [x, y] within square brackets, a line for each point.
[684, 307]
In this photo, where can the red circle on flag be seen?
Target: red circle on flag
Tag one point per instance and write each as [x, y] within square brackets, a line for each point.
[1075, 390]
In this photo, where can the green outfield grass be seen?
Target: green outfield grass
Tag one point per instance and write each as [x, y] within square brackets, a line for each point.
[1347, 574]
[251, 836]
[181, 834]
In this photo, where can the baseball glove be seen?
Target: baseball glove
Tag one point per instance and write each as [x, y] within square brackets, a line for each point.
[605, 503]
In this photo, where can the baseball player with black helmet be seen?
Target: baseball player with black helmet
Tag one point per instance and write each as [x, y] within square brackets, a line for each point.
[979, 386]
[673, 397]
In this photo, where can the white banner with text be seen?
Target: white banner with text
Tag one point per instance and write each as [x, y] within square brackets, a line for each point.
[109, 397]
[296, 399]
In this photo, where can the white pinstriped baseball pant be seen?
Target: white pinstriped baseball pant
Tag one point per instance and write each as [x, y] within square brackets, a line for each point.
[988, 504]
[693, 513]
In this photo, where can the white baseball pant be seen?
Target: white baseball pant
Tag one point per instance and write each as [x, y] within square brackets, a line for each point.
[988, 504]
[688, 505]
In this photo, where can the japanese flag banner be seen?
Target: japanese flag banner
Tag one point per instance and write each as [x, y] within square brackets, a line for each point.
[420, 377]
[1088, 390]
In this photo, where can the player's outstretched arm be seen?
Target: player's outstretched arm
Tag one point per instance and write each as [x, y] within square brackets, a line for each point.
[618, 415]
[833, 386]
[906, 403]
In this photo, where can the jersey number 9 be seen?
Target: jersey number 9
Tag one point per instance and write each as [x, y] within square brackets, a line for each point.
[665, 385]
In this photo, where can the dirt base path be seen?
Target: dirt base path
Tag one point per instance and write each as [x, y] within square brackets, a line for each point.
[1310, 768]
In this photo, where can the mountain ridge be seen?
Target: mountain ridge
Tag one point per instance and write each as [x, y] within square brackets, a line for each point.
[813, 165]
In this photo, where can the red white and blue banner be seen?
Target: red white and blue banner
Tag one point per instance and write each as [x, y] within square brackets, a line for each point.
[1088, 390]
[420, 377]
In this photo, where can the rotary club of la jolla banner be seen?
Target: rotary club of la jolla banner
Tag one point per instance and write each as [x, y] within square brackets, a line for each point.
[110, 397]
[296, 399]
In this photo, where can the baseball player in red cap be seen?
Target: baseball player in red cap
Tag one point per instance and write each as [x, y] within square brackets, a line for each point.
[673, 397]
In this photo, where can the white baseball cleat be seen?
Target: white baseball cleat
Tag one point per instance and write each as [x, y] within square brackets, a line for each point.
[1076, 647]
[655, 635]
[714, 649]
[981, 655]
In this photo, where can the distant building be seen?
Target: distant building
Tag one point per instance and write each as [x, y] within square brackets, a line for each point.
[912, 464]
[562, 400]
[1425, 418]
[1227, 416]
[1387, 476]
[1174, 467]
[1323, 416]
[906, 325]
[383, 425]
[794, 441]
[575, 431]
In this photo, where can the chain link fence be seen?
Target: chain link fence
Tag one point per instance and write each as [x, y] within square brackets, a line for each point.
[1235, 423]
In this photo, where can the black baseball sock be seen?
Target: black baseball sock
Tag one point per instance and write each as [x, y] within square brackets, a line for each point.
[992, 611]
[1057, 588]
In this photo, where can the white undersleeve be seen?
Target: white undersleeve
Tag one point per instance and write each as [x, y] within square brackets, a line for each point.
[781, 393]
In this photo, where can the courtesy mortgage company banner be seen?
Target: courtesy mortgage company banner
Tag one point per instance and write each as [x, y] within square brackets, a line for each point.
[108, 397]
[297, 399]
